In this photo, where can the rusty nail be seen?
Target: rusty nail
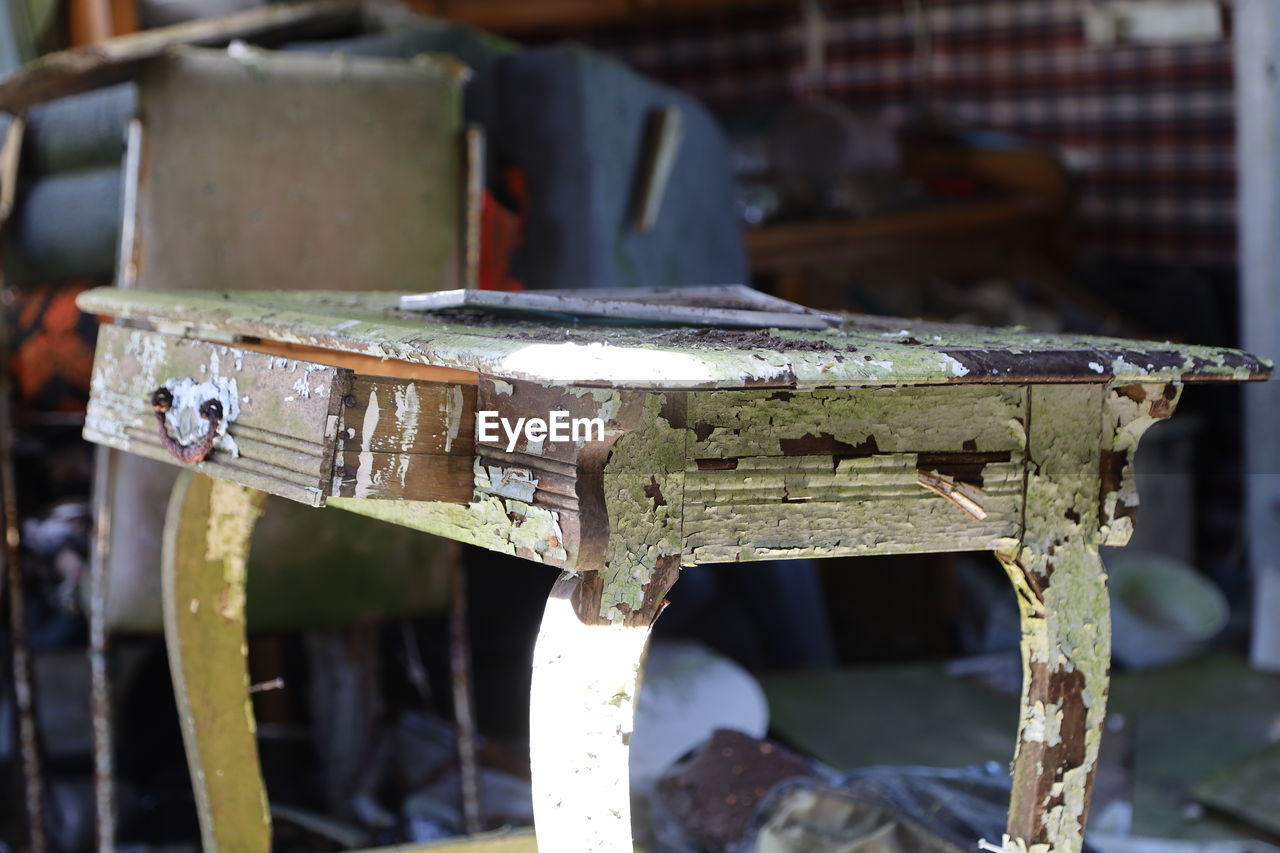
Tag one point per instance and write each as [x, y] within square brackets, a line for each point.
[349, 400]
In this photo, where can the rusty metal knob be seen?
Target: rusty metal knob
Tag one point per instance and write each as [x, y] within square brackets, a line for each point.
[210, 410]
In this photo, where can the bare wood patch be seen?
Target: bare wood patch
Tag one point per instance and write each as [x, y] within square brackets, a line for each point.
[967, 497]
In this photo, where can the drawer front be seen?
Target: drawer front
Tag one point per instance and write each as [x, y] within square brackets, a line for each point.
[843, 472]
[279, 420]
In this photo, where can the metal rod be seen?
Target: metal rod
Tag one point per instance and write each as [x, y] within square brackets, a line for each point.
[24, 695]
[463, 710]
[100, 681]
[473, 204]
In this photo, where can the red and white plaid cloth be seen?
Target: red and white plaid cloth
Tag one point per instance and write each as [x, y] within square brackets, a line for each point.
[1149, 129]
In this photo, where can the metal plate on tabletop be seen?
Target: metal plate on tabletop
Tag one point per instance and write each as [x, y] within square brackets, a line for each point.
[730, 305]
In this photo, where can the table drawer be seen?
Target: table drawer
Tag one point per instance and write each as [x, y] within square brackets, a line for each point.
[295, 428]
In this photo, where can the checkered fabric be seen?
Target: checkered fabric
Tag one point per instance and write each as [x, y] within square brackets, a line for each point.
[1148, 129]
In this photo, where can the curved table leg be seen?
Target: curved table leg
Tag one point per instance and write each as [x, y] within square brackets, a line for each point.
[1061, 588]
[206, 546]
[586, 674]
[1064, 695]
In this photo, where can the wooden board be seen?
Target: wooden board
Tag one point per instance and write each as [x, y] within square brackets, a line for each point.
[68, 72]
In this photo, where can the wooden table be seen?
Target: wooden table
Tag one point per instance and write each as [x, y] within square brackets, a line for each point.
[883, 436]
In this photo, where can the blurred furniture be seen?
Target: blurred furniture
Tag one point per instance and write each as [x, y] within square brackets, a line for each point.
[320, 171]
[881, 436]
[1009, 204]
[288, 171]
[225, 153]
[515, 16]
[587, 133]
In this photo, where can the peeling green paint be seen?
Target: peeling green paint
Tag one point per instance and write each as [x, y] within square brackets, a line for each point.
[1062, 594]
[864, 351]
[804, 506]
[755, 423]
[1125, 421]
[643, 493]
[505, 526]
[232, 516]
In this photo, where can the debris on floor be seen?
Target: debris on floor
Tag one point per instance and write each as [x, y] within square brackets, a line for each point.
[707, 803]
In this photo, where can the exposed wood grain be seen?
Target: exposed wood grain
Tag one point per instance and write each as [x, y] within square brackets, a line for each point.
[970, 499]
[68, 72]
[367, 365]
[778, 507]
[409, 416]
[404, 476]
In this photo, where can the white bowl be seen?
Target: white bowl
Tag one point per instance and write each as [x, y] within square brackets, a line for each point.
[1162, 610]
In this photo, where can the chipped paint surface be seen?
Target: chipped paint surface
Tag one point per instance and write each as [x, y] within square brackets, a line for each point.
[206, 546]
[1128, 413]
[747, 474]
[453, 411]
[365, 474]
[643, 494]
[505, 525]
[232, 515]
[781, 474]
[863, 351]
[760, 423]
[183, 419]
[269, 436]
[1062, 594]
[700, 464]
[772, 507]
[404, 439]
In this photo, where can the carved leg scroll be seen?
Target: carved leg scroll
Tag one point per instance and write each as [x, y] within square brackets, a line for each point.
[1066, 623]
[586, 673]
[206, 546]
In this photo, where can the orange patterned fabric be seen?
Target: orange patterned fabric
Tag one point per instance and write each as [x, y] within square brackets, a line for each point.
[52, 348]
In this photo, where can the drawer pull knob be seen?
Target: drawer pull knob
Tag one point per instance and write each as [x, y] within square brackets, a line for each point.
[210, 410]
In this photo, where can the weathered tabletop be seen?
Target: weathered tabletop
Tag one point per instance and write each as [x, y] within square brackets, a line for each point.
[880, 436]
[866, 350]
